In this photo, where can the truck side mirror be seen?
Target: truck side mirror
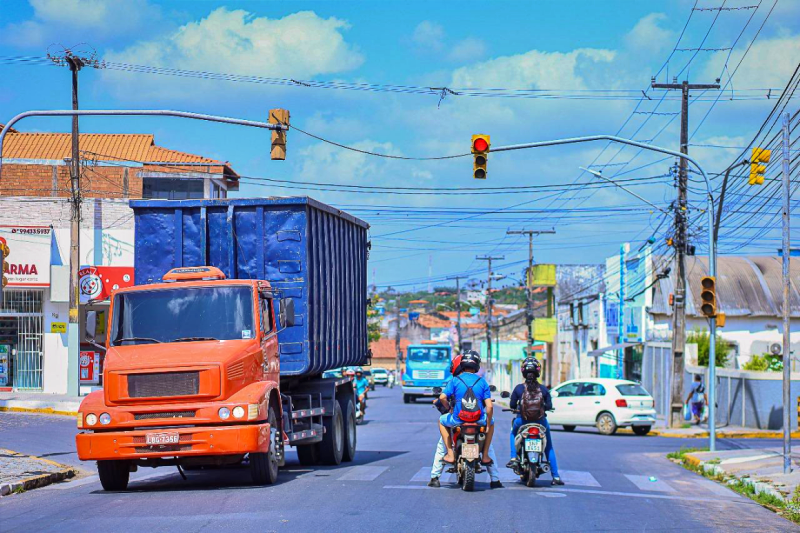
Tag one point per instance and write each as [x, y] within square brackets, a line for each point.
[492, 388]
[91, 325]
[505, 394]
[287, 312]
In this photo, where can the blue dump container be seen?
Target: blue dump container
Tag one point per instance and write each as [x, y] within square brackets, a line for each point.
[309, 251]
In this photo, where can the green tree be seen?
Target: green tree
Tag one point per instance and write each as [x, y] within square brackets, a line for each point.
[703, 341]
[373, 322]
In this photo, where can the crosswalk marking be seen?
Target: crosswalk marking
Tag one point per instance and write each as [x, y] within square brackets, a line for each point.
[580, 478]
[363, 473]
[645, 483]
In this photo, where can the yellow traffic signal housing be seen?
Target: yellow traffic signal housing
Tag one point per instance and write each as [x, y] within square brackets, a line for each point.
[708, 296]
[278, 151]
[757, 170]
[720, 320]
[480, 155]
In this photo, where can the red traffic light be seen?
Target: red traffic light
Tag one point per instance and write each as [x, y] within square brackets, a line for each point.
[480, 145]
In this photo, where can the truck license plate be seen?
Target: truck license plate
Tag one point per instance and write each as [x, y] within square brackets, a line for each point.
[161, 438]
[533, 445]
[469, 451]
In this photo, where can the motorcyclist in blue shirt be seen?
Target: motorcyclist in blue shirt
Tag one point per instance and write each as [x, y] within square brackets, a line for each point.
[362, 386]
[531, 369]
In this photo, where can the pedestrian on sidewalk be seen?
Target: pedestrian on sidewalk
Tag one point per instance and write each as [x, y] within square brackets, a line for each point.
[697, 399]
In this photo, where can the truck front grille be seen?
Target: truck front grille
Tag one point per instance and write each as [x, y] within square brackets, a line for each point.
[169, 414]
[167, 448]
[163, 384]
[428, 374]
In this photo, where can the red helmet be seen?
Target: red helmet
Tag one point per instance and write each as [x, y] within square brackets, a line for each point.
[349, 372]
[455, 366]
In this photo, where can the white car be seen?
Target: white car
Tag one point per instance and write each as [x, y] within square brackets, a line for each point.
[606, 403]
[381, 376]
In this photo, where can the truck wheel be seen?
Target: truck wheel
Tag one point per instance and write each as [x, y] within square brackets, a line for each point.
[331, 448]
[264, 465]
[114, 475]
[406, 398]
[350, 436]
[308, 454]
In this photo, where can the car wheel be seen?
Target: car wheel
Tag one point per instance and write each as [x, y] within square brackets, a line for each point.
[569, 428]
[641, 430]
[606, 424]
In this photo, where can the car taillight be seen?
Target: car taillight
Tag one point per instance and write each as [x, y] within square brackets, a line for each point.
[533, 433]
[622, 403]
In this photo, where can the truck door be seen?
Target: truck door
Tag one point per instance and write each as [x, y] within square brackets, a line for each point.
[269, 339]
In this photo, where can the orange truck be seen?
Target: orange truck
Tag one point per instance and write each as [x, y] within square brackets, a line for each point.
[222, 363]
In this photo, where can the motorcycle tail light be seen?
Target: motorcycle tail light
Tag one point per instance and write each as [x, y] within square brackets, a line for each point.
[470, 430]
[621, 403]
[533, 433]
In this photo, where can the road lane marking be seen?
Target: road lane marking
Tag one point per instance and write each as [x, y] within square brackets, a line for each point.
[644, 483]
[363, 473]
[579, 477]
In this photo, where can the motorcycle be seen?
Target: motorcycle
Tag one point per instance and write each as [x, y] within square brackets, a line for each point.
[530, 444]
[361, 407]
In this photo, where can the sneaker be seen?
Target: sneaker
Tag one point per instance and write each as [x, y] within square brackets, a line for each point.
[557, 481]
[434, 482]
[512, 464]
[496, 485]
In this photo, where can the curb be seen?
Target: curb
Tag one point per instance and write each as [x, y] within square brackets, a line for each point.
[40, 410]
[35, 482]
[725, 435]
[759, 487]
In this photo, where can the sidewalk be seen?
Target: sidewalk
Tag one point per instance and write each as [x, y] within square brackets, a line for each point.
[37, 402]
[762, 469]
[727, 432]
[25, 472]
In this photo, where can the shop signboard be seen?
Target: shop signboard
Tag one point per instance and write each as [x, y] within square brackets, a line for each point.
[29, 261]
[90, 367]
[98, 282]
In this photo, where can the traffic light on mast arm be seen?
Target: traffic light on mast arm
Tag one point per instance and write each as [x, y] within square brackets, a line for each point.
[278, 116]
[480, 155]
[757, 170]
[708, 295]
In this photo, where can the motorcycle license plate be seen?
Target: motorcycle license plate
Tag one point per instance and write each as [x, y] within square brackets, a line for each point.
[470, 451]
[533, 445]
[153, 439]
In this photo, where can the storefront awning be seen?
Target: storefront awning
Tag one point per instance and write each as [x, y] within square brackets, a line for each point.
[600, 351]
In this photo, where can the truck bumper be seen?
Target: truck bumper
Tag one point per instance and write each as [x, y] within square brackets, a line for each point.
[419, 391]
[193, 441]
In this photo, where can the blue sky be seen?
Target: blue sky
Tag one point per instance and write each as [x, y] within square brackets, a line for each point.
[575, 46]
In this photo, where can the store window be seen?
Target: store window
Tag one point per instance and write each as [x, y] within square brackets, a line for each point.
[172, 188]
[21, 339]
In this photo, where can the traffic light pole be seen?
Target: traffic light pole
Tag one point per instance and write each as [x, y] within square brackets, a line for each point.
[712, 250]
[787, 354]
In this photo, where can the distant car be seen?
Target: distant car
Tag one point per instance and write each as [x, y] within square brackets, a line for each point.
[380, 376]
[335, 373]
[607, 404]
[370, 378]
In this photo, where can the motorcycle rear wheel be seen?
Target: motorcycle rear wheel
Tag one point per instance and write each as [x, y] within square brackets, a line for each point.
[530, 480]
[469, 477]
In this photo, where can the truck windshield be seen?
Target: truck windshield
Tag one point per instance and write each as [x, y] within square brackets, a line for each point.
[197, 313]
[433, 355]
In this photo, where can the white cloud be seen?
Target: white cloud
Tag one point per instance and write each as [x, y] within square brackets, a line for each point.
[648, 36]
[54, 20]
[428, 35]
[300, 45]
[769, 63]
[469, 50]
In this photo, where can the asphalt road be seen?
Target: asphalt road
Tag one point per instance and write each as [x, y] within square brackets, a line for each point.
[621, 482]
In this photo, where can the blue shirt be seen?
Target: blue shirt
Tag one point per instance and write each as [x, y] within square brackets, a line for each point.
[361, 385]
[458, 386]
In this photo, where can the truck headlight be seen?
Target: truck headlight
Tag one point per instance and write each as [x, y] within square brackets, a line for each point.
[105, 419]
[238, 411]
[408, 382]
[224, 413]
[91, 419]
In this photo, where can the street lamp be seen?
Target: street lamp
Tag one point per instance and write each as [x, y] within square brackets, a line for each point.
[712, 252]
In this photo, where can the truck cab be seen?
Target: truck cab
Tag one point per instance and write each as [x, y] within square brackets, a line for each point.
[427, 366]
[191, 378]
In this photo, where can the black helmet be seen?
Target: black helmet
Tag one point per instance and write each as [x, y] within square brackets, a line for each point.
[531, 368]
[471, 360]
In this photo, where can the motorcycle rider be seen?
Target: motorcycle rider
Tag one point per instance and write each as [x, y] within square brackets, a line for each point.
[362, 386]
[531, 369]
[467, 384]
[438, 464]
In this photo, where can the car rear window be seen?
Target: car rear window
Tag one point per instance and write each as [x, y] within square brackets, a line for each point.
[632, 390]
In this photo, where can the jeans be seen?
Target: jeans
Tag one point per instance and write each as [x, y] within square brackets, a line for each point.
[438, 464]
[548, 449]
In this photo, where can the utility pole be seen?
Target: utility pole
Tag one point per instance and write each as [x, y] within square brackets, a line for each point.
[679, 306]
[787, 354]
[75, 64]
[489, 305]
[458, 311]
[528, 291]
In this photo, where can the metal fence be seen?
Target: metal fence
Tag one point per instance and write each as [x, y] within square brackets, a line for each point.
[25, 305]
[505, 375]
[657, 376]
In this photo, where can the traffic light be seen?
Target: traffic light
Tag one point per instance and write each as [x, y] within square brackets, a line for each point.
[708, 295]
[480, 154]
[278, 116]
[757, 170]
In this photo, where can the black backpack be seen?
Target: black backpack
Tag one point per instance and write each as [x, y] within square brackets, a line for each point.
[470, 407]
[532, 404]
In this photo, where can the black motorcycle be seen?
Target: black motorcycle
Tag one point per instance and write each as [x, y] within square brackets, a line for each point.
[530, 444]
